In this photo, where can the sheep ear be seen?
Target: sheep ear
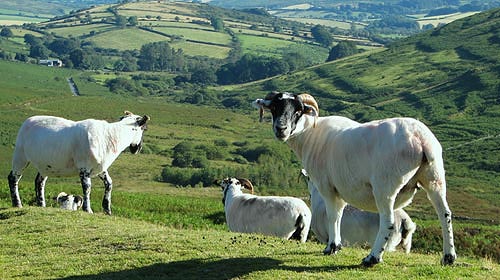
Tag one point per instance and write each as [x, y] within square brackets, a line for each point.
[261, 104]
[127, 113]
[310, 110]
[246, 184]
[143, 120]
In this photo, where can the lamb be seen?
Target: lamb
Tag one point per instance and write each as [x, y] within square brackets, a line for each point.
[375, 166]
[59, 147]
[359, 227]
[69, 201]
[285, 217]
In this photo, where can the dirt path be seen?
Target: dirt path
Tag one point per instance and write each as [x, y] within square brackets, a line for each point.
[73, 87]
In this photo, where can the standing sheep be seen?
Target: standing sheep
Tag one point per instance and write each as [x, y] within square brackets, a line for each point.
[285, 217]
[375, 166]
[60, 147]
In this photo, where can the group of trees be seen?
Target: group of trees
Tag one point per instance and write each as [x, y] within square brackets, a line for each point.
[271, 165]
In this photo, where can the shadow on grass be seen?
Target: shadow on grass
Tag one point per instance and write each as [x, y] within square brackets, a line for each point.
[207, 269]
[217, 218]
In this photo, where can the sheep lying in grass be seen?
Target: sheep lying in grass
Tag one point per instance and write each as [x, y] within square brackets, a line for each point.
[69, 201]
[375, 166]
[286, 217]
[60, 147]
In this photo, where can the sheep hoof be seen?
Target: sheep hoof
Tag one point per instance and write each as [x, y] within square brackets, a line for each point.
[448, 259]
[332, 249]
[370, 261]
[17, 204]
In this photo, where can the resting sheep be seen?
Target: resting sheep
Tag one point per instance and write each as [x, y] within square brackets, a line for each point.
[375, 166]
[69, 201]
[359, 227]
[285, 217]
[60, 147]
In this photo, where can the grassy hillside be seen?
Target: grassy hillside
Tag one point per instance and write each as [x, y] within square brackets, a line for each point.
[52, 243]
[183, 25]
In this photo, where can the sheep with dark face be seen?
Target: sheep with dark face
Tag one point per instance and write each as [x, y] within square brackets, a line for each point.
[285, 217]
[375, 166]
[60, 147]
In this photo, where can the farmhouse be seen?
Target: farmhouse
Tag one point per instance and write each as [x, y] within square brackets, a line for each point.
[51, 62]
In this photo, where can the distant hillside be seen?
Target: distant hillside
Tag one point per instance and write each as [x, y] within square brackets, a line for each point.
[47, 7]
[447, 78]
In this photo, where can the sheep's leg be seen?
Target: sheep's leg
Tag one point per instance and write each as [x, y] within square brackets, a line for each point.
[14, 189]
[438, 200]
[434, 183]
[40, 189]
[86, 187]
[409, 229]
[334, 210]
[108, 186]
[385, 206]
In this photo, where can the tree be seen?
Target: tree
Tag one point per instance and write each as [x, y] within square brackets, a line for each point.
[322, 35]
[217, 23]
[32, 40]
[203, 75]
[62, 46]
[159, 56]
[76, 58]
[132, 21]
[39, 51]
[6, 32]
[251, 68]
[342, 49]
[121, 21]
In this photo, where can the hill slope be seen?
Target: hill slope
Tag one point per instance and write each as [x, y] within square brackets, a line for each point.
[52, 243]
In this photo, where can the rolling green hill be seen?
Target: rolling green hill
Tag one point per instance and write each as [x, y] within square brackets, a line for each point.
[448, 78]
[183, 25]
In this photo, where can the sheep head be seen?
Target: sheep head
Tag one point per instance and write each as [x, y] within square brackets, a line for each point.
[287, 109]
[138, 125]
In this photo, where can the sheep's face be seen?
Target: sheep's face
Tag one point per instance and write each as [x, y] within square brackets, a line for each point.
[138, 125]
[286, 110]
[227, 184]
[236, 185]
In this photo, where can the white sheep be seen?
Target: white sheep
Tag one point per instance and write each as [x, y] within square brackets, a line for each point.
[375, 166]
[285, 217]
[60, 147]
[359, 227]
[69, 201]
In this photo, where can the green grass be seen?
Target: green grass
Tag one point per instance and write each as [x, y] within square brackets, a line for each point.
[197, 34]
[197, 49]
[262, 45]
[126, 39]
[76, 31]
[52, 243]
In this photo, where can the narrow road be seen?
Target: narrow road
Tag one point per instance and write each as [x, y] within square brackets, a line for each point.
[73, 87]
